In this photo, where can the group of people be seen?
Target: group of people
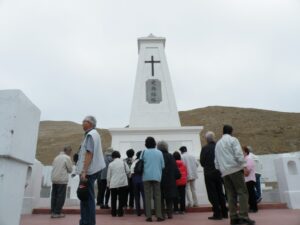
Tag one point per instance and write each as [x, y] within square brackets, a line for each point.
[166, 180]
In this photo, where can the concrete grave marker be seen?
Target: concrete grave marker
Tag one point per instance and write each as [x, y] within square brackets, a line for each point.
[19, 119]
[288, 176]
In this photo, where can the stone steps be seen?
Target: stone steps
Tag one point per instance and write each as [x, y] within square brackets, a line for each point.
[201, 208]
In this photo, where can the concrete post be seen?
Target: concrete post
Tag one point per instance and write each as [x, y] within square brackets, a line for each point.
[19, 119]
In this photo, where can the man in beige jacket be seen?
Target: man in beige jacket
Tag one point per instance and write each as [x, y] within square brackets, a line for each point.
[62, 166]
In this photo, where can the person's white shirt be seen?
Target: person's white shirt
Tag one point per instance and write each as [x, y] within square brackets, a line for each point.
[61, 167]
[229, 157]
[191, 164]
[258, 165]
[117, 173]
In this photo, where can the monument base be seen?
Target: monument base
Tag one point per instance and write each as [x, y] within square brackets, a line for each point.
[126, 138]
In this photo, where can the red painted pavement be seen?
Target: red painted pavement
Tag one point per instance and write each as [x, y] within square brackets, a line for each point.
[201, 208]
[263, 217]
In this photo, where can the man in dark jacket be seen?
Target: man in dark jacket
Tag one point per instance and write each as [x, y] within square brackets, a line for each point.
[129, 191]
[168, 181]
[213, 180]
[103, 190]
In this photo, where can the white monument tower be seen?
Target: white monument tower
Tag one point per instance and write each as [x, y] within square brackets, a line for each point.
[153, 100]
[154, 112]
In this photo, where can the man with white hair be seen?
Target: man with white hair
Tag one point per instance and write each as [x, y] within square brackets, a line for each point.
[90, 162]
[213, 179]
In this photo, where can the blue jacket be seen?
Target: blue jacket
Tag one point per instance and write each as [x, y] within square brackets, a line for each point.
[153, 164]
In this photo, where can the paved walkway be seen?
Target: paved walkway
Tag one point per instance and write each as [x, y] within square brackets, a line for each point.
[263, 217]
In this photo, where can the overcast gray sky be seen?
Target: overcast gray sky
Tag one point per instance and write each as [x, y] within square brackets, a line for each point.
[74, 58]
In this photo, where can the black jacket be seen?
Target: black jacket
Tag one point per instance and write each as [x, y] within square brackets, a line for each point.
[207, 159]
[169, 175]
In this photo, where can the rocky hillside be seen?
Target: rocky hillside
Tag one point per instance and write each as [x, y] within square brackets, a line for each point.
[267, 131]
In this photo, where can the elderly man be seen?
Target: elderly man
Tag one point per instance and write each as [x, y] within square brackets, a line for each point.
[90, 162]
[229, 159]
[213, 179]
[153, 166]
[191, 165]
[62, 166]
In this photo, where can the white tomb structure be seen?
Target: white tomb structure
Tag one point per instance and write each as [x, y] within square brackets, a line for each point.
[288, 174]
[154, 111]
[19, 119]
[33, 188]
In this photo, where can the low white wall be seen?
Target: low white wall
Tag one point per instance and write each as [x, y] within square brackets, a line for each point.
[288, 175]
[43, 183]
[33, 188]
[269, 174]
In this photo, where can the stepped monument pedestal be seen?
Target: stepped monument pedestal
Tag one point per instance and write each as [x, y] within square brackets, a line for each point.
[154, 111]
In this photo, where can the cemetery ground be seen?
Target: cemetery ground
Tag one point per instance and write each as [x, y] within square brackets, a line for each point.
[263, 217]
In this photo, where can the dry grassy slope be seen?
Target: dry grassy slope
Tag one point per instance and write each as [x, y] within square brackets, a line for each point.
[266, 131]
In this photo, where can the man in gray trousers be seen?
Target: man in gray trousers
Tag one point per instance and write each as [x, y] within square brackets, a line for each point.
[229, 160]
[62, 166]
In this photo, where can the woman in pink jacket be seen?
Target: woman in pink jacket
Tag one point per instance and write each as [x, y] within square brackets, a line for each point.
[249, 173]
[180, 183]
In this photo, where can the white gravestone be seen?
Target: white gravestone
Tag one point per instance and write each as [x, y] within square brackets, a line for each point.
[33, 188]
[154, 111]
[19, 119]
[288, 177]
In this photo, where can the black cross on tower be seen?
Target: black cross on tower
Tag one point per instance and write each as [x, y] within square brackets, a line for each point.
[152, 64]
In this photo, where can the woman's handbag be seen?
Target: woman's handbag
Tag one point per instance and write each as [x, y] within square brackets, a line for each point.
[139, 166]
[127, 174]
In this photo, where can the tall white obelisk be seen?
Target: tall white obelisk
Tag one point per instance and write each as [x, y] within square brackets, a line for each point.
[153, 102]
[154, 112]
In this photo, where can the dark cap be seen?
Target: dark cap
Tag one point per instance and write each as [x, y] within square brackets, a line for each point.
[83, 191]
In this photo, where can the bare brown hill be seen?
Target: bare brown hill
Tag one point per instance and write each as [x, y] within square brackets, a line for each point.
[267, 131]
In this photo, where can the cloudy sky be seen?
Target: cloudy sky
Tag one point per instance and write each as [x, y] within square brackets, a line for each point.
[74, 58]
